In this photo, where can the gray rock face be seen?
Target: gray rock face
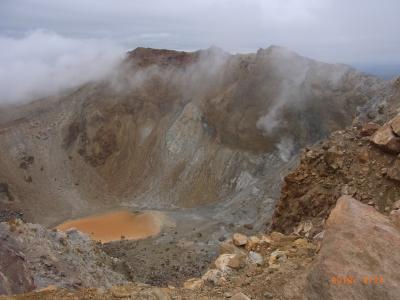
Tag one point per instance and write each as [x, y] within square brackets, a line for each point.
[15, 276]
[34, 257]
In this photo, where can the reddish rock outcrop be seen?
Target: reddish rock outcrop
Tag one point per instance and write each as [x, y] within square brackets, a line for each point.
[357, 258]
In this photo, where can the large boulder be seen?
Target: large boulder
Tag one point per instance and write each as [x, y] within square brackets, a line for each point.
[388, 136]
[386, 139]
[359, 256]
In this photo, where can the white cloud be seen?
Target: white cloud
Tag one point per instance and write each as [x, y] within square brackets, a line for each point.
[43, 63]
[358, 32]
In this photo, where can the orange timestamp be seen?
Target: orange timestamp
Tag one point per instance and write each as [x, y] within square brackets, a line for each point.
[350, 280]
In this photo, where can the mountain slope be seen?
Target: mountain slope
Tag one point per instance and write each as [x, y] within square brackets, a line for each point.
[174, 129]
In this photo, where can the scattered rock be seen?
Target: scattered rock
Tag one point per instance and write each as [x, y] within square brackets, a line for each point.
[394, 171]
[228, 247]
[301, 243]
[303, 228]
[222, 262]
[319, 236]
[239, 239]
[240, 296]
[265, 239]
[193, 284]
[348, 190]
[252, 243]
[255, 258]
[276, 257]
[237, 261]
[334, 158]
[227, 295]
[268, 295]
[213, 276]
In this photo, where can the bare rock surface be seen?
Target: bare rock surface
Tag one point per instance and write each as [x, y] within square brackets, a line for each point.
[15, 276]
[387, 139]
[357, 259]
[239, 239]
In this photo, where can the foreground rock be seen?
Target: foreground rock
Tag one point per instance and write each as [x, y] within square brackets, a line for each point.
[34, 257]
[387, 137]
[358, 258]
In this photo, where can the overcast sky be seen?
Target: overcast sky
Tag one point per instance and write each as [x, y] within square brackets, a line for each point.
[350, 31]
[49, 34]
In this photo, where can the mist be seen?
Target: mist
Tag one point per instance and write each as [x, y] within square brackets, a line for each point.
[44, 63]
[49, 46]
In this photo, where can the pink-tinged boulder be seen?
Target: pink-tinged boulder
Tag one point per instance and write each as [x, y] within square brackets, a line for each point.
[386, 139]
[359, 257]
[395, 124]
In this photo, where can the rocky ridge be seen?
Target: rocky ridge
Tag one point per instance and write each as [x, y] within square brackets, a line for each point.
[356, 161]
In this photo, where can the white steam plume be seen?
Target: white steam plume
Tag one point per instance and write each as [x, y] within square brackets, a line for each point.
[43, 63]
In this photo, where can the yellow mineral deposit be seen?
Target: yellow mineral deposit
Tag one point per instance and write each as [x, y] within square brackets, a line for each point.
[117, 225]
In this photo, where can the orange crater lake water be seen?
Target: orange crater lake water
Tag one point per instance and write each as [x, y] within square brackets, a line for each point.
[117, 225]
